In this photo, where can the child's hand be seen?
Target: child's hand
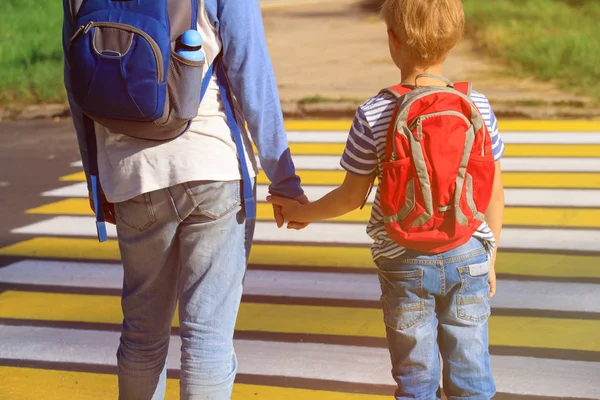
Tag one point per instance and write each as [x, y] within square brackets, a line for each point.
[492, 276]
[290, 209]
[492, 282]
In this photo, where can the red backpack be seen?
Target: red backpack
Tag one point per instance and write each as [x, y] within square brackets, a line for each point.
[438, 172]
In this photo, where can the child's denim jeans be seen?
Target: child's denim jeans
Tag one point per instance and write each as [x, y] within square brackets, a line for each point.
[190, 243]
[439, 305]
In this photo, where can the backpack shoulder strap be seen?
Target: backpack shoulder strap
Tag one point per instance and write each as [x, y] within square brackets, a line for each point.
[463, 87]
[398, 90]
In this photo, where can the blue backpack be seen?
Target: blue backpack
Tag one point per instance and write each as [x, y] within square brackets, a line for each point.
[126, 75]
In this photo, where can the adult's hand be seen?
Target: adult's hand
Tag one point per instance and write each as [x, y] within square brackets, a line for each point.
[299, 225]
[279, 215]
[107, 208]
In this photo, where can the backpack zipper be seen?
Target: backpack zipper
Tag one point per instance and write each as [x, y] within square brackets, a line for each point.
[437, 114]
[128, 28]
[419, 120]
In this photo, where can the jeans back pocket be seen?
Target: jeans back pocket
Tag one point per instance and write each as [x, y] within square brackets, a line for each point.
[473, 299]
[136, 213]
[402, 298]
[214, 199]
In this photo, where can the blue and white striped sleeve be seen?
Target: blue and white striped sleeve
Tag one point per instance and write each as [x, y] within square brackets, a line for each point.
[491, 122]
[497, 142]
[360, 154]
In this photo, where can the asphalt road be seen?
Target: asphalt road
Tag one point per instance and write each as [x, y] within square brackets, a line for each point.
[310, 325]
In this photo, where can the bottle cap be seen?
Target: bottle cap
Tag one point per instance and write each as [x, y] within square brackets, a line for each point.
[194, 55]
[191, 38]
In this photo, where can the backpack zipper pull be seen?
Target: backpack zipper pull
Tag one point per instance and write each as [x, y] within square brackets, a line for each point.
[82, 29]
[88, 26]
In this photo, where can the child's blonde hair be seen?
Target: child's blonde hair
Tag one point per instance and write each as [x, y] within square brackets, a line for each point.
[428, 28]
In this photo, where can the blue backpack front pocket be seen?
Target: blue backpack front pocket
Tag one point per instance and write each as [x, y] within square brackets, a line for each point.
[117, 65]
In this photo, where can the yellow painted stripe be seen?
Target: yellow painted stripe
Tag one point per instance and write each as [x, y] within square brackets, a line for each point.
[512, 150]
[30, 383]
[511, 179]
[526, 216]
[526, 264]
[75, 177]
[563, 180]
[504, 126]
[558, 333]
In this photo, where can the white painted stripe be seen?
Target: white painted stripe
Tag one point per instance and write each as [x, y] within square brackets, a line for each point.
[317, 285]
[514, 196]
[307, 360]
[507, 137]
[517, 375]
[550, 164]
[313, 192]
[74, 190]
[552, 197]
[342, 233]
[525, 164]
[550, 137]
[77, 164]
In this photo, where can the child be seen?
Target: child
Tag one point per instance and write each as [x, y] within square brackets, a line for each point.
[435, 284]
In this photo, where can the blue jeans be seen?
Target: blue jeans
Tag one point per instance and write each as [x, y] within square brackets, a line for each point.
[188, 243]
[438, 304]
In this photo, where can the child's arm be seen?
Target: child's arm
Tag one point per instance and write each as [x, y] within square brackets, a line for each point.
[493, 217]
[349, 196]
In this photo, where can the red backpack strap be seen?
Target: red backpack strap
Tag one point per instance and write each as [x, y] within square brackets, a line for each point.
[463, 87]
[398, 90]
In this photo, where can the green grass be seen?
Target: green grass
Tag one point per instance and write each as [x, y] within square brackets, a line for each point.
[316, 99]
[550, 39]
[31, 52]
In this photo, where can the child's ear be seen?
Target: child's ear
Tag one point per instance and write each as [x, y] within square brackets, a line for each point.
[394, 41]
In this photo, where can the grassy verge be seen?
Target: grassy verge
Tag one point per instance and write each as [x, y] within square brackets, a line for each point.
[30, 52]
[318, 99]
[551, 39]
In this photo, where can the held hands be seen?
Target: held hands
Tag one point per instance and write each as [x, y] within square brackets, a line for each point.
[285, 209]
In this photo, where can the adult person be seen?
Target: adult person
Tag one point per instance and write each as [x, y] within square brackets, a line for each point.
[180, 217]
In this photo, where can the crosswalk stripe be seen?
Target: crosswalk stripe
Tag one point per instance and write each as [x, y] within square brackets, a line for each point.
[563, 180]
[512, 150]
[95, 386]
[505, 125]
[525, 216]
[337, 233]
[510, 138]
[508, 164]
[511, 179]
[534, 376]
[317, 320]
[300, 360]
[294, 284]
[542, 377]
[517, 264]
[513, 197]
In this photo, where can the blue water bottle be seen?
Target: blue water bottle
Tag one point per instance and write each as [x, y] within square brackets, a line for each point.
[190, 46]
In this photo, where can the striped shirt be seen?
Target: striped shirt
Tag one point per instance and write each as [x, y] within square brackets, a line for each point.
[365, 151]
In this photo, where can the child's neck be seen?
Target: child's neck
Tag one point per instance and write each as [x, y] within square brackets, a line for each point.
[410, 73]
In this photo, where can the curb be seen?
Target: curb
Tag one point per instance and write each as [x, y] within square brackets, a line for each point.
[341, 110]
